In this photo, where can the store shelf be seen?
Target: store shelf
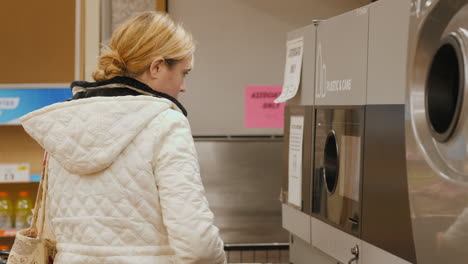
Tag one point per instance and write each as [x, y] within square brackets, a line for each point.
[30, 183]
[8, 232]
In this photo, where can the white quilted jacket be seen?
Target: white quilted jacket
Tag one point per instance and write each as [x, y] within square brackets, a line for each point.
[124, 183]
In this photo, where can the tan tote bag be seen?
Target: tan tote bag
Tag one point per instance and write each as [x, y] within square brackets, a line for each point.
[31, 246]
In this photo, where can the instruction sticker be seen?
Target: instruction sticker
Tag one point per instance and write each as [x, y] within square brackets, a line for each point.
[296, 133]
[292, 70]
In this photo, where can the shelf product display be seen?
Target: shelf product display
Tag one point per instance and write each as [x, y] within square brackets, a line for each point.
[23, 210]
[6, 211]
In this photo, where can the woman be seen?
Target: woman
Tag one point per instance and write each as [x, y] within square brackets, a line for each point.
[124, 183]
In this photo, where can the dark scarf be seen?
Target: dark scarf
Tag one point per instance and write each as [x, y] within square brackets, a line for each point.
[118, 86]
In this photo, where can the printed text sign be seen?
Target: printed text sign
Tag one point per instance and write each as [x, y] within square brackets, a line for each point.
[260, 110]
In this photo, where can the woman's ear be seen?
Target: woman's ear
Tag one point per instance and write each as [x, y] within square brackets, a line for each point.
[156, 67]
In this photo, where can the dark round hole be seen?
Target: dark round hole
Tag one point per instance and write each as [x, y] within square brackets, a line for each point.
[331, 162]
[443, 91]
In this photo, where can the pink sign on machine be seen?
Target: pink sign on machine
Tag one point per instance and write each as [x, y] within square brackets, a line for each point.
[260, 110]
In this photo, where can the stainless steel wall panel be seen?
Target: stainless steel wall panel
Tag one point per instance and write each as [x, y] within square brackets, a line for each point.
[242, 181]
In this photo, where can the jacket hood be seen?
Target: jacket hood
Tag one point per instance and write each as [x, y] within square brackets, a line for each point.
[87, 135]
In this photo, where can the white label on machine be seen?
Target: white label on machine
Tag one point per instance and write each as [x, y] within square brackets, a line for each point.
[296, 133]
[292, 71]
[14, 172]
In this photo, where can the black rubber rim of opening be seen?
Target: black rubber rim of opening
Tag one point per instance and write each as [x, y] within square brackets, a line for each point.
[331, 162]
[444, 90]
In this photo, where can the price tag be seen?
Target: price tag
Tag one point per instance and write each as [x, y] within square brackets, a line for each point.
[18, 172]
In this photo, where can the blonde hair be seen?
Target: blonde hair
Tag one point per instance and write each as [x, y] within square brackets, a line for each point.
[139, 41]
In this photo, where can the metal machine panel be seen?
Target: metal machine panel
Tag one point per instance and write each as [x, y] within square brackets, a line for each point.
[384, 185]
[336, 243]
[338, 167]
[302, 252]
[296, 222]
[437, 130]
[342, 59]
[301, 105]
[306, 91]
[388, 42]
[372, 254]
[386, 221]
[242, 181]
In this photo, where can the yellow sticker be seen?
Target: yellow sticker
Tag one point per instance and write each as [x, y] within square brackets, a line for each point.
[22, 168]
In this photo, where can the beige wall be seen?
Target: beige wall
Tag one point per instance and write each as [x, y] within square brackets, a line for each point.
[240, 42]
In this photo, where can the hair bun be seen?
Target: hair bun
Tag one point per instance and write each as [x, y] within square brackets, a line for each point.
[110, 64]
[139, 41]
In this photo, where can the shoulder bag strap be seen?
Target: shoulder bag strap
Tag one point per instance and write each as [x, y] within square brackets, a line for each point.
[39, 208]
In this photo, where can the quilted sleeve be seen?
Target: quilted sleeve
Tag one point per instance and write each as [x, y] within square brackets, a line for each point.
[185, 210]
